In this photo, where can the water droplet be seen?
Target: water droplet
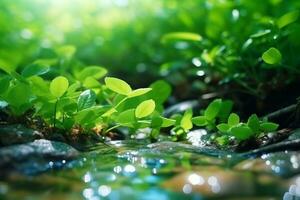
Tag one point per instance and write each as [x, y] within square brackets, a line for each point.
[104, 190]
[195, 179]
[187, 189]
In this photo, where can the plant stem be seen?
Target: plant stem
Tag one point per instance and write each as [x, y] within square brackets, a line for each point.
[54, 115]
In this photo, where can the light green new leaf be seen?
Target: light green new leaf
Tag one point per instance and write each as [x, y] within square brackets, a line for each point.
[233, 119]
[199, 121]
[86, 99]
[181, 36]
[92, 71]
[145, 108]
[117, 85]
[139, 92]
[59, 86]
[287, 19]
[213, 109]
[272, 56]
[167, 122]
[268, 126]
[186, 121]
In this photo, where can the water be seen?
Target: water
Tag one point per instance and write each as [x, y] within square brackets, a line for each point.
[134, 170]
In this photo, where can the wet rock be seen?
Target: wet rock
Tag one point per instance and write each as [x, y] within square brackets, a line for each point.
[284, 164]
[16, 134]
[173, 147]
[36, 156]
[295, 135]
[291, 145]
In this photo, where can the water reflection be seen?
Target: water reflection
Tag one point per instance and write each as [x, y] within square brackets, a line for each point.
[294, 192]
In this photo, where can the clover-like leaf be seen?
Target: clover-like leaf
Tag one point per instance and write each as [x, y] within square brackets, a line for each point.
[139, 92]
[199, 121]
[92, 71]
[241, 132]
[186, 121]
[253, 123]
[223, 128]
[59, 86]
[213, 109]
[86, 99]
[35, 69]
[145, 108]
[233, 119]
[117, 85]
[268, 126]
[272, 56]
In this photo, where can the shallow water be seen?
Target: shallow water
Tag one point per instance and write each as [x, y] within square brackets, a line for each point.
[136, 170]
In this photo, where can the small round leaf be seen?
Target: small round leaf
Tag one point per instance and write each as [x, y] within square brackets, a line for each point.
[145, 108]
[59, 86]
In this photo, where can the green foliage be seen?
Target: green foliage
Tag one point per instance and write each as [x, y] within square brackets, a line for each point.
[86, 99]
[117, 85]
[145, 108]
[181, 36]
[59, 86]
[272, 56]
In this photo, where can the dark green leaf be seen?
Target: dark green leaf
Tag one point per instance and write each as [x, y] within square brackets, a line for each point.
[199, 121]
[213, 109]
[86, 99]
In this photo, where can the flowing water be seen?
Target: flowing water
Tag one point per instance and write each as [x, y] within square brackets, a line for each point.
[136, 170]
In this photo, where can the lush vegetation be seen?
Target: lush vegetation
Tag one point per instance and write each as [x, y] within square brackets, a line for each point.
[52, 55]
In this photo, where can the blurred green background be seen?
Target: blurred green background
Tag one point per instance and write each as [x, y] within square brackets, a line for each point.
[132, 39]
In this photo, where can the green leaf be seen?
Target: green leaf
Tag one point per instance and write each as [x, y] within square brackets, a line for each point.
[167, 122]
[186, 121]
[139, 92]
[91, 82]
[241, 132]
[127, 117]
[268, 126]
[92, 71]
[18, 95]
[287, 19]
[161, 91]
[59, 86]
[86, 99]
[223, 128]
[145, 108]
[199, 121]
[213, 109]
[233, 119]
[117, 85]
[225, 110]
[253, 123]
[35, 69]
[4, 84]
[272, 56]
[181, 36]
[40, 87]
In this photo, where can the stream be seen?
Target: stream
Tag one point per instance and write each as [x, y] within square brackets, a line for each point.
[163, 170]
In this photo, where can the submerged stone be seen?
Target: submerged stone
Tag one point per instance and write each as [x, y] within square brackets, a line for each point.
[36, 156]
[16, 134]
